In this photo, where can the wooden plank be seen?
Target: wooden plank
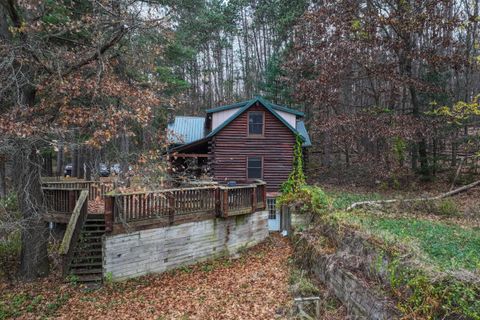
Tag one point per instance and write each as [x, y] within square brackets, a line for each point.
[73, 223]
[109, 205]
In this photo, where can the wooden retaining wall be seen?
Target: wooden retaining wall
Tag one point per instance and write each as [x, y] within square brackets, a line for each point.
[157, 250]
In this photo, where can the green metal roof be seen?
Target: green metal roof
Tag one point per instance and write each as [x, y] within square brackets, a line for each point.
[184, 129]
[304, 133]
[189, 130]
[228, 107]
[244, 103]
[287, 109]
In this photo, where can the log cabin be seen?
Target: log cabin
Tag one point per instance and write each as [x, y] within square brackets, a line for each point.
[240, 143]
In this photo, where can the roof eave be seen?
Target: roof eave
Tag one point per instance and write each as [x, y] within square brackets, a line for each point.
[188, 145]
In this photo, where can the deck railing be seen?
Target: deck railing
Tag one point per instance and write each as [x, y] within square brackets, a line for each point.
[74, 228]
[175, 205]
[95, 188]
[60, 201]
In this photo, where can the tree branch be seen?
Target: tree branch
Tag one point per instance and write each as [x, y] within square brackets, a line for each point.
[123, 30]
[438, 197]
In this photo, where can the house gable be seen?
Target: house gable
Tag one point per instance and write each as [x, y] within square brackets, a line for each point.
[219, 118]
[232, 146]
[259, 102]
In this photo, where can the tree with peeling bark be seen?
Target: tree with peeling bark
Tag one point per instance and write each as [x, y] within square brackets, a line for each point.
[63, 70]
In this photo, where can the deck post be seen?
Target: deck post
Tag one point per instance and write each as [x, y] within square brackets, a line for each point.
[264, 195]
[72, 200]
[225, 203]
[254, 199]
[218, 203]
[171, 208]
[109, 207]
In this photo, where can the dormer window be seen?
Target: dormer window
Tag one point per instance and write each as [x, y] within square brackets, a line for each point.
[255, 123]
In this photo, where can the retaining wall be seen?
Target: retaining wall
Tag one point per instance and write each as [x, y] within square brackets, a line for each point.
[157, 250]
[348, 268]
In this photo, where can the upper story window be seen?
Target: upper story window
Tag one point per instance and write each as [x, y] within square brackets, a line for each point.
[255, 123]
[254, 167]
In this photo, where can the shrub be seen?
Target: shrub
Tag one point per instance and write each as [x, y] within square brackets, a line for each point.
[9, 203]
[307, 199]
[301, 284]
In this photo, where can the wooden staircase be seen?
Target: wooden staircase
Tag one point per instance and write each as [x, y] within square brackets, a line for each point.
[81, 246]
[86, 264]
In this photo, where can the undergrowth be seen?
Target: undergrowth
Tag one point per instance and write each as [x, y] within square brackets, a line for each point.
[435, 292]
[449, 246]
[448, 253]
[342, 200]
[19, 304]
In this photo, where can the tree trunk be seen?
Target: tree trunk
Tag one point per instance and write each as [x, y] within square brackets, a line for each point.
[47, 164]
[60, 155]
[81, 163]
[124, 155]
[89, 164]
[74, 161]
[34, 255]
[3, 177]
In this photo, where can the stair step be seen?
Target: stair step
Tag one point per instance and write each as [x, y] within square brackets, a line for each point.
[95, 225]
[81, 260]
[93, 231]
[92, 236]
[74, 265]
[90, 242]
[90, 245]
[95, 217]
[87, 271]
[95, 221]
[83, 252]
[97, 256]
[78, 252]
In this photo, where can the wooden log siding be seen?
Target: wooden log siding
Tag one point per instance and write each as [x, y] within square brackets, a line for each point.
[174, 205]
[231, 146]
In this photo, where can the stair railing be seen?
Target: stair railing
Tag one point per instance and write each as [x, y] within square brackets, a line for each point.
[74, 229]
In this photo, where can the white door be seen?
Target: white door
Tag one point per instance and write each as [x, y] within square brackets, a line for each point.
[273, 215]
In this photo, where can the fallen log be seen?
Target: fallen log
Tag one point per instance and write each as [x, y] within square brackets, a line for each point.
[440, 196]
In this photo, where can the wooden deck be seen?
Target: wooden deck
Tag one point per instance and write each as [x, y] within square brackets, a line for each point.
[139, 210]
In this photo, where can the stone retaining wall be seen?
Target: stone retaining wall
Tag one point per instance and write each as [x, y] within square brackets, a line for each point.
[347, 270]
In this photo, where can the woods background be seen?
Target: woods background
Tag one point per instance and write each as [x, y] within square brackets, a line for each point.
[389, 88]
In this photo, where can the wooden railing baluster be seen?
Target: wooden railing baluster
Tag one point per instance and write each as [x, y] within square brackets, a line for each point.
[183, 204]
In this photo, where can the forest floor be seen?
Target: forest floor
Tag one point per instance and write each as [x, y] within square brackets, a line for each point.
[256, 285]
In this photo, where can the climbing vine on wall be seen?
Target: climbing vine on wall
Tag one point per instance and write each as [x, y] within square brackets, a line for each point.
[296, 179]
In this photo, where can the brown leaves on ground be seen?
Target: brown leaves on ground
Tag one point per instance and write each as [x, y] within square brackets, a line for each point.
[96, 206]
[254, 286]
